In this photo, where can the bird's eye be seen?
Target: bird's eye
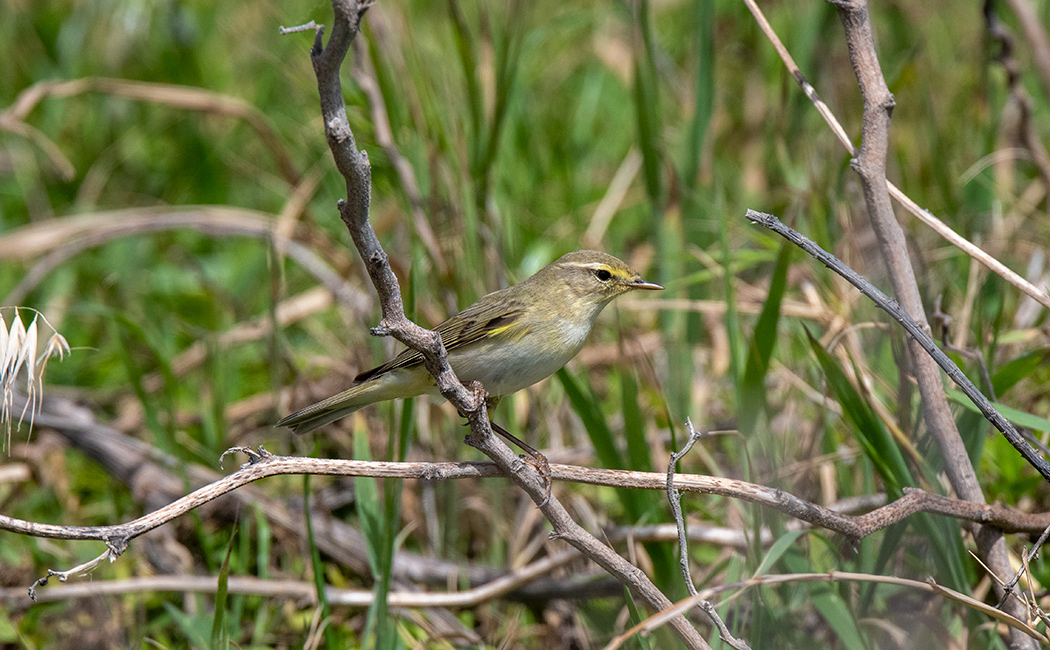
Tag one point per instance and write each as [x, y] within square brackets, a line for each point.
[602, 275]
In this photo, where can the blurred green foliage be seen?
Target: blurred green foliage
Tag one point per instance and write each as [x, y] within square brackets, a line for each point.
[515, 118]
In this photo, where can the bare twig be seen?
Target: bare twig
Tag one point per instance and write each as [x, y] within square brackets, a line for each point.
[890, 306]
[264, 465]
[295, 29]
[302, 591]
[675, 498]
[1009, 586]
[111, 553]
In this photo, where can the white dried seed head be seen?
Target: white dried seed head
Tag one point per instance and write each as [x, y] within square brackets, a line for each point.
[18, 353]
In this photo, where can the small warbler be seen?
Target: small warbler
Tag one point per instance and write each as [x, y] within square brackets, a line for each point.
[507, 340]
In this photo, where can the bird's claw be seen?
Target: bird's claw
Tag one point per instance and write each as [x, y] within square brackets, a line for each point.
[542, 466]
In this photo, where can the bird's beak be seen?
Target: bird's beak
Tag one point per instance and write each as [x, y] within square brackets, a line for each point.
[639, 283]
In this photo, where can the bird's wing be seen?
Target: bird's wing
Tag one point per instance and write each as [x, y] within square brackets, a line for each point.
[489, 316]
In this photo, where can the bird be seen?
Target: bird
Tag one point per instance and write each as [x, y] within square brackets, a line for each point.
[507, 340]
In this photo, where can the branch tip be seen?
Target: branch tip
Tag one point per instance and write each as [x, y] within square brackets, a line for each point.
[299, 28]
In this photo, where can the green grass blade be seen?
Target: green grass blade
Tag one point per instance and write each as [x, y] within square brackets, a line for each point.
[219, 636]
[972, 424]
[263, 539]
[703, 28]
[638, 454]
[371, 515]
[214, 417]
[878, 445]
[732, 316]
[468, 58]
[593, 421]
[838, 615]
[508, 60]
[331, 634]
[193, 627]
[783, 544]
[1017, 416]
[647, 106]
[752, 402]
[133, 338]
[674, 323]
[636, 617]
[1019, 368]
[641, 506]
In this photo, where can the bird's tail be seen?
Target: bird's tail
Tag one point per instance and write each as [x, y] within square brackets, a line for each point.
[386, 386]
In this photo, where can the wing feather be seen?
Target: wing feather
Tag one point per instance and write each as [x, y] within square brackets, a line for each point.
[490, 315]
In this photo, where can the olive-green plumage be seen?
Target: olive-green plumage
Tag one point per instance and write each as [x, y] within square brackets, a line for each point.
[507, 340]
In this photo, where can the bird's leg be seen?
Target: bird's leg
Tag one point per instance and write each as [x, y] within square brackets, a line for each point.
[538, 461]
[534, 458]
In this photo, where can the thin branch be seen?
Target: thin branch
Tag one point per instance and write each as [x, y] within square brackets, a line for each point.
[1009, 586]
[890, 306]
[306, 592]
[675, 498]
[264, 464]
[111, 553]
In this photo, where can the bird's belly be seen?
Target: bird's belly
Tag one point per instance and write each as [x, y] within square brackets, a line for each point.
[504, 369]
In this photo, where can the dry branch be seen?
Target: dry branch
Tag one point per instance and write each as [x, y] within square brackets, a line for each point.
[305, 592]
[870, 165]
[265, 465]
[870, 161]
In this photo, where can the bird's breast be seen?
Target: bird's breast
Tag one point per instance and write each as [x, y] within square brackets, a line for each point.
[507, 366]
